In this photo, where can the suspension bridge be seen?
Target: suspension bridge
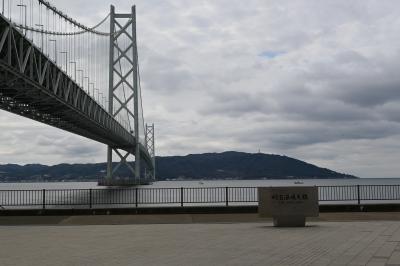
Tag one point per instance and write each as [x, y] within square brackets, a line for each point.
[82, 79]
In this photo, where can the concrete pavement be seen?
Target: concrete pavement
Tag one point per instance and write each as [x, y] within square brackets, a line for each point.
[187, 243]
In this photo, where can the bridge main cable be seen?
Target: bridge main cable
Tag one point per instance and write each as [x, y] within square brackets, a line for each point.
[73, 21]
[66, 33]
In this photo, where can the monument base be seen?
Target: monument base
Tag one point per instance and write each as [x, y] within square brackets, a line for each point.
[289, 221]
[122, 182]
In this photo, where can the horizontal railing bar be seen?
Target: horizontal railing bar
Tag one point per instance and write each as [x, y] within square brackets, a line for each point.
[181, 195]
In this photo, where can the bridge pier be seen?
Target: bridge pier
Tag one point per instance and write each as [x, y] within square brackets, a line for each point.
[109, 162]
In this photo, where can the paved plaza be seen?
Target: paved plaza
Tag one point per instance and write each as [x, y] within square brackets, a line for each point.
[239, 243]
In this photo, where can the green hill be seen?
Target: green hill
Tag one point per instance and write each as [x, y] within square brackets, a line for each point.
[225, 165]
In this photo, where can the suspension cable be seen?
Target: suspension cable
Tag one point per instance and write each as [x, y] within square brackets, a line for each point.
[140, 88]
[73, 21]
[92, 29]
[55, 11]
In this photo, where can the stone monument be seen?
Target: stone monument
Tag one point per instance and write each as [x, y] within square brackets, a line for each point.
[288, 206]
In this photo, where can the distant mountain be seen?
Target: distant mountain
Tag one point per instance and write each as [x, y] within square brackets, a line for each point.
[226, 165]
[240, 165]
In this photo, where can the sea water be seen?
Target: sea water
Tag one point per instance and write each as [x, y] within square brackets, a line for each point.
[170, 193]
[211, 183]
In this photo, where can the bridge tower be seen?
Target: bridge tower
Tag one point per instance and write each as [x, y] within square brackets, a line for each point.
[150, 146]
[123, 85]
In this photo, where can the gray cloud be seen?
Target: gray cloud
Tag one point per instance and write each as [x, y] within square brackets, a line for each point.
[330, 97]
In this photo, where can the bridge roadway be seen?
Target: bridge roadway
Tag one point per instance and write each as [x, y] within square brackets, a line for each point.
[33, 86]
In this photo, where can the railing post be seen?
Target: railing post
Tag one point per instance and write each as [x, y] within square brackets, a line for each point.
[226, 196]
[181, 196]
[136, 197]
[358, 194]
[43, 198]
[90, 198]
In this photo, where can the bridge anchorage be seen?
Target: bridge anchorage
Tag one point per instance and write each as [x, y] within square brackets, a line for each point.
[52, 71]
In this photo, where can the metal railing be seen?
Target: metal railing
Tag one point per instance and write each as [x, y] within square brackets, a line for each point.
[201, 196]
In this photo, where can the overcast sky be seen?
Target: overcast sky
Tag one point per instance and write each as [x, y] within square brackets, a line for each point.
[315, 80]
